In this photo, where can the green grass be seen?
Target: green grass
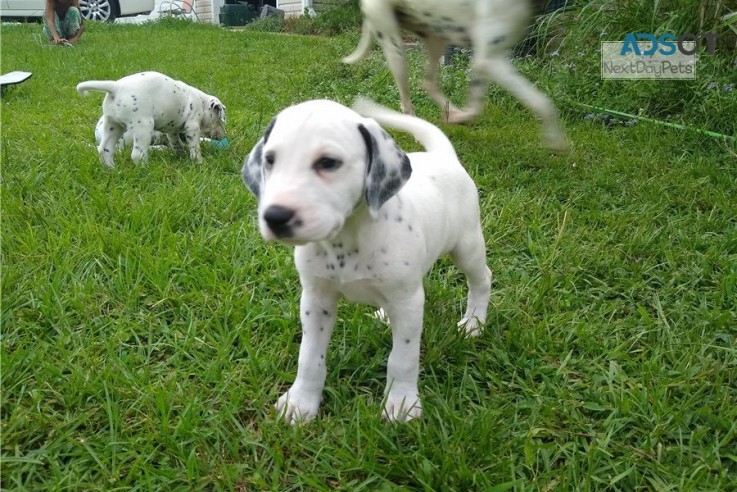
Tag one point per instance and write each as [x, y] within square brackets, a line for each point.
[147, 329]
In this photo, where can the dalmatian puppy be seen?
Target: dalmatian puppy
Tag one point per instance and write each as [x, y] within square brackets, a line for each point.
[490, 27]
[367, 221]
[157, 138]
[139, 104]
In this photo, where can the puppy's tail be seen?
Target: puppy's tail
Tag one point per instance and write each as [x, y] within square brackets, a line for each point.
[429, 135]
[364, 45]
[96, 85]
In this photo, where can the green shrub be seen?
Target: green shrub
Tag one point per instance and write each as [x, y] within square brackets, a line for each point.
[267, 24]
[334, 20]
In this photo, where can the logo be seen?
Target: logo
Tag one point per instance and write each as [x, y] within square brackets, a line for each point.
[666, 44]
[646, 56]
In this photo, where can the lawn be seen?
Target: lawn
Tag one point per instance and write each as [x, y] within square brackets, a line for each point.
[147, 329]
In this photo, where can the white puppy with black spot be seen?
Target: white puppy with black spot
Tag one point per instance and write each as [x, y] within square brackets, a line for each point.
[139, 104]
[368, 222]
[490, 27]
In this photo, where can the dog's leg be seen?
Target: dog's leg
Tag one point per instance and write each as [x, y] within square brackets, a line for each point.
[317, 312]
[501, 71]
[469, 256]
[394, 52]
[175, 142]
[141, 134]
[389, 35]
[403, 368]
[435, 48]
[111, 134]
[192, 137]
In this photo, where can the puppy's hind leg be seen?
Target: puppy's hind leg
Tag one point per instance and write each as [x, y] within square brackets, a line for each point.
[141, 141]
[111, 132]
[176, 141]
[389, 35]
[469, 256]
[435, 48]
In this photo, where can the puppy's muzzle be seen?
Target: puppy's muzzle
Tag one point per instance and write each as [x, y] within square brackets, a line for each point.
[279, 220]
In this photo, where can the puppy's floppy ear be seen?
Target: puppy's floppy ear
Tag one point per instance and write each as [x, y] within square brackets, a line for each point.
[253, 165]
[218, 107]
[388, 166]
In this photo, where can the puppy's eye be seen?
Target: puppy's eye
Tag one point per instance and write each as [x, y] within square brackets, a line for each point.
[269, 160]
[326, 164]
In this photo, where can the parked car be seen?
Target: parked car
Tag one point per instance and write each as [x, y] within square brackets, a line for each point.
[96, 10]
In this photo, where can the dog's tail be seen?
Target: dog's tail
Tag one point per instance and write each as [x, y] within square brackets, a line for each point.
[429, 135]
[364, 45]
[96, 85]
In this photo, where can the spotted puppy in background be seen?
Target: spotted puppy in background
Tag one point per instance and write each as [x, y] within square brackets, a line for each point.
[368, 222]
[158, 139]
[489, 27]
[139, 104]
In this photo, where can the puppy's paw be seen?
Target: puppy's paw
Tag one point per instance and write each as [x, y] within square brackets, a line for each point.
[461, 116]
[471, 326]
[407, 109]
[555, 140]
[402, 407]
[296, 406]
[381, 315]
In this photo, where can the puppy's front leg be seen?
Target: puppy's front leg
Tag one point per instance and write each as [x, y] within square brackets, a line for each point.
[317, 312]
[403, 369]
[192, 136]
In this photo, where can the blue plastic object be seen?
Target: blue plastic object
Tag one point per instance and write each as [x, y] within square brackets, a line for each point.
[220, 144]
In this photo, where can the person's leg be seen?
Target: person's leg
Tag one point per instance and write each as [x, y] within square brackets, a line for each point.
[71, 24]
[57, 25]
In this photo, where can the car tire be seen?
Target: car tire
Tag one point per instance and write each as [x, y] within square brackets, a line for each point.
[100, 10]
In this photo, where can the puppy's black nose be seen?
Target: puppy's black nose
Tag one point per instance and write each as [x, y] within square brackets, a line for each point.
[277, 218]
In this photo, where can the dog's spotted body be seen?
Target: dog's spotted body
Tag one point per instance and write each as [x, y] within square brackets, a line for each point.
[490, 27]
[140, 104]
[368, 222]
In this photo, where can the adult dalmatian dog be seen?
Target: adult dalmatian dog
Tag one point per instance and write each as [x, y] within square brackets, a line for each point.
[140, 104]
[490, 27]
[368, 221]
